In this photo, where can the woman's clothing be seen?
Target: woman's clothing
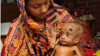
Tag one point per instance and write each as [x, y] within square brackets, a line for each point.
[29, 38]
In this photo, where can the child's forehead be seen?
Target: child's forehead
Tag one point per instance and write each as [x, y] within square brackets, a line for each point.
[69, 26]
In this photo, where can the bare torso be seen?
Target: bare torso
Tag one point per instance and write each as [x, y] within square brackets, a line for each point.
[64, 51]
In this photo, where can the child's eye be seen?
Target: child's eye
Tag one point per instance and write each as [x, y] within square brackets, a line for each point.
[61, 33]
[68, 35]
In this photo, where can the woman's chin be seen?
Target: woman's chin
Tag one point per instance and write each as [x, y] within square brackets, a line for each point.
[42, 17]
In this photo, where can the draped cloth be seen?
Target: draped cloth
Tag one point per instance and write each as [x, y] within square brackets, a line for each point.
[27, 37]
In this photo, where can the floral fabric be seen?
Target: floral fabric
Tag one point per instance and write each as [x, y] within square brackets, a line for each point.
[29, 38]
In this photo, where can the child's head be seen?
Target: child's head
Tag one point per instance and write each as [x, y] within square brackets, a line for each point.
[70, 33]
[37, 8]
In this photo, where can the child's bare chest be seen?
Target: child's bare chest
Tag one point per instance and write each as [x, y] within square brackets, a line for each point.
[64, 51]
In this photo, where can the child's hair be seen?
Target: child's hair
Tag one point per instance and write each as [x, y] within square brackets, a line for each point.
[79, 28]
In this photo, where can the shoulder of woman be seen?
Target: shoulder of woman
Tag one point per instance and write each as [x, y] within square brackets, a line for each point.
[15, 19]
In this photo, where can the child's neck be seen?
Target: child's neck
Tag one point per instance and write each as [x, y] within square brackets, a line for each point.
[65, 45]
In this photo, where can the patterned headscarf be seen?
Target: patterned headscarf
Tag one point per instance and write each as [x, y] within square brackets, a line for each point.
[28, 38]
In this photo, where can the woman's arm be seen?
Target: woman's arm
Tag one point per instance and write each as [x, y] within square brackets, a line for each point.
[52, 54]
[54, 50]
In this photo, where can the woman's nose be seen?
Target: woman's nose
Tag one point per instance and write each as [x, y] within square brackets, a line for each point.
[43, 9]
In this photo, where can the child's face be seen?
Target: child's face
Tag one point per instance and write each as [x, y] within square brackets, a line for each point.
[37, 8]
[67, 35]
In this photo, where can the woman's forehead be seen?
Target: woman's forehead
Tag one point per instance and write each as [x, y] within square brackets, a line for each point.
[37, 1]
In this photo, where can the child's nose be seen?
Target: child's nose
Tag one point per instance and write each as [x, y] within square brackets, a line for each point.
[63, 36]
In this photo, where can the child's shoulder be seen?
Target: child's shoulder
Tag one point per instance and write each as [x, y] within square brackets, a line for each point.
[74, 47]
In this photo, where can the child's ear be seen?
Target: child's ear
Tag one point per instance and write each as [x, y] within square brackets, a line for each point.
[76, 40]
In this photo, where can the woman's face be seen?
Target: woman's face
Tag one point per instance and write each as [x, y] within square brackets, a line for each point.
[37, 8]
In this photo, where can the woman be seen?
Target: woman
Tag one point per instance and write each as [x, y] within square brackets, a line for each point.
[34, 32]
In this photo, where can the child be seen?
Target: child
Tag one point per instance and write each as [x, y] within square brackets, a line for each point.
[69, 36]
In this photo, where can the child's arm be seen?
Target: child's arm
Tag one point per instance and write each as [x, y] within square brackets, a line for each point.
[80, 48]
[77, 51]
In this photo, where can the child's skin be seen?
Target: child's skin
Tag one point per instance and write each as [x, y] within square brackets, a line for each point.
[70, 34]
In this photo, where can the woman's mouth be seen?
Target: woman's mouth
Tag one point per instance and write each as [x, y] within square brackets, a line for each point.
[43, 15]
